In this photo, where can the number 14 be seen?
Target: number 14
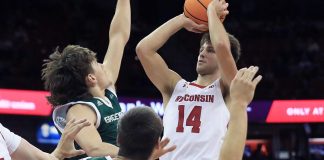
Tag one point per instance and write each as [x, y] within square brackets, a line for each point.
[192, 120]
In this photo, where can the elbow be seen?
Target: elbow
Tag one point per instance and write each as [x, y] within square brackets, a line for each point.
[124, 38]
[121, 37]
[141, 49]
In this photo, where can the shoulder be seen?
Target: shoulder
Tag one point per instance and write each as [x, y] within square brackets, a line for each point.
[80, 111]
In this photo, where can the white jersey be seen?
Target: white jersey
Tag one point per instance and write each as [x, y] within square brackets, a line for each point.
[9, 142]
[195, 120]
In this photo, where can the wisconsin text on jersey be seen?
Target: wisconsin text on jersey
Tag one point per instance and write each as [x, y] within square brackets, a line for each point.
[196, 98]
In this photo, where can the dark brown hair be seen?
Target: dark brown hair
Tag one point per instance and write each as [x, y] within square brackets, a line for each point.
[235, 45]
[65, 74]
[138, 132]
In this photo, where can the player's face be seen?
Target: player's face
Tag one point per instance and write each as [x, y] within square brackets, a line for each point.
[100, 74]
[206, 63]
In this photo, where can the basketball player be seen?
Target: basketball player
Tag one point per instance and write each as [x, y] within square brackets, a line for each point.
[139, 128]
[139, 133]
[81, 87]
[15, 147]
[196, 115]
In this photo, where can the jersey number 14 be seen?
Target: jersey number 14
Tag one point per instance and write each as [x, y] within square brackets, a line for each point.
[192, 120]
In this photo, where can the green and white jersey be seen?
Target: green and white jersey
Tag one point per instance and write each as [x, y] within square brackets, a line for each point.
[108, 113]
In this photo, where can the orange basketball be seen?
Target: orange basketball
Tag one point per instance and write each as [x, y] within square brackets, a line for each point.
[196, 10]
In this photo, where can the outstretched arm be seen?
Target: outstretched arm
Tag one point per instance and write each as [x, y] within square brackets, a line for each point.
[155, 67]
[118, 36]
[241, 94]
[220, 41]
[65, 148]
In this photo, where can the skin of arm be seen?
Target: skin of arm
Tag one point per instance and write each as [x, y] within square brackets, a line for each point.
[118, 36]
[241, 94]
[94, 147]
[155, 67]
[65, 148]
[220, 42]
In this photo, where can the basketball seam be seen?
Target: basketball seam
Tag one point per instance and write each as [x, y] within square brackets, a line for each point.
[194, 16]
[202, 4]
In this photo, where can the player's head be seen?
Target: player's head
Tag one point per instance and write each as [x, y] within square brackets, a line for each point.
[69, 74]
[206, 63]
[139, 132]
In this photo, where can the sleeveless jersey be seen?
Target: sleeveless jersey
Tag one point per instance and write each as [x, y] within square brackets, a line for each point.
[195, 120]
[108, 113]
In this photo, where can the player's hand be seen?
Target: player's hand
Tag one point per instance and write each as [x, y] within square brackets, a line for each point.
[162, 149]
[191, 26]
[221, 8]
[65, 148]
[243, 85]
[225, 12]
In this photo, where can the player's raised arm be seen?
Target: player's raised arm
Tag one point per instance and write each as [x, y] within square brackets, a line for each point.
[241, 94]
[220, 41]
[155, 67]
[118, 36]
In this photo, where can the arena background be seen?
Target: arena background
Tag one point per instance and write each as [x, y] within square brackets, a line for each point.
[284, 38]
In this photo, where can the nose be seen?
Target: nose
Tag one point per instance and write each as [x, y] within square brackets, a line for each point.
[202, 53]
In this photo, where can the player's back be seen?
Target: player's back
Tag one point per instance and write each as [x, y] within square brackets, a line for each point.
[195, 120]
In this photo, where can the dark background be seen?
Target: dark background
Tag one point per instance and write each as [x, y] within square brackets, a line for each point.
[284, 38]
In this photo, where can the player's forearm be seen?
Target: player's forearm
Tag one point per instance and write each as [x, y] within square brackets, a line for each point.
[56, 154]
[121, 23]
[103, 149]
[234, 142]
[220, 42]
[28, 151]
[218, 35]
[158, 37]
[118, 36]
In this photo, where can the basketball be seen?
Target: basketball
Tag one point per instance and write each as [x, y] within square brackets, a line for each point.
[196, 10]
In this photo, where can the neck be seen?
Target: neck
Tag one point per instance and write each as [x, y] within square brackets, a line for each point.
[97, 92]
[205, 80]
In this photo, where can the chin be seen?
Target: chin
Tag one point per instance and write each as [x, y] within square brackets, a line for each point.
[200, 71]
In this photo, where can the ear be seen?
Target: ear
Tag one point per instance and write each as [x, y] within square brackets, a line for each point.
[91, 80]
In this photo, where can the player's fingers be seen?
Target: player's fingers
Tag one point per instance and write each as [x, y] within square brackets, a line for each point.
[76, 129]
[246, 73]
[164, 142]
[222, 1]
[225, 5]
[252, 73]
[80, 121]
[70, 122]
[240, 73]
[201, 27]
[170, 149]
[256, 81]
[226, 12]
